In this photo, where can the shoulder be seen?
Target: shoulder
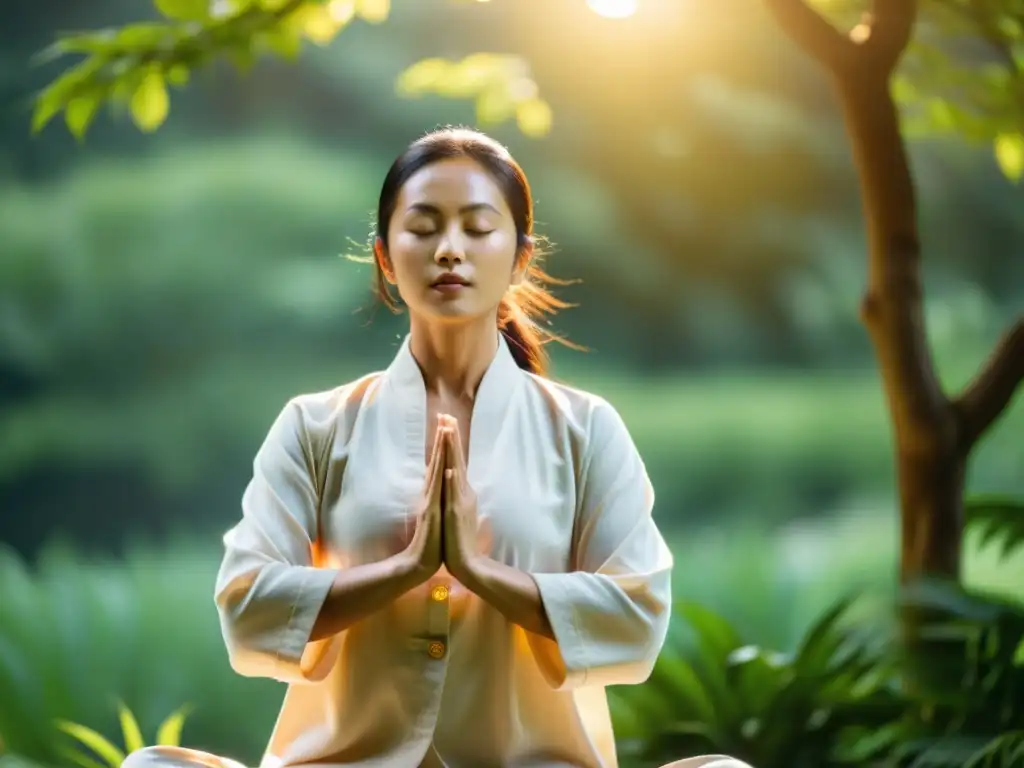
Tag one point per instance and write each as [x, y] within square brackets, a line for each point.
[593, 419]
[316, 419]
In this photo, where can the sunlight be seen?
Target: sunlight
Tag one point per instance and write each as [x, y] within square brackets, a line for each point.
[614, 9]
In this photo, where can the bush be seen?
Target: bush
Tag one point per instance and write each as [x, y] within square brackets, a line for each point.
[78, 636]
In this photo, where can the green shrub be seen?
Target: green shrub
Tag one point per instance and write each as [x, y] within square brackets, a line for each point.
[965, 703]
[713, 693]
[78, 635]
[96, 745]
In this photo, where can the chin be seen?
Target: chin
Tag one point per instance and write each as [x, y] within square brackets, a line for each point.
[458, 303]
[454, 311]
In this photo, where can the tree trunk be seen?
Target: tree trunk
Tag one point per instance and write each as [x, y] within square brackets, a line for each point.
[933, 433]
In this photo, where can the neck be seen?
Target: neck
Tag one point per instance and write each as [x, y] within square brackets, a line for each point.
[453, 356]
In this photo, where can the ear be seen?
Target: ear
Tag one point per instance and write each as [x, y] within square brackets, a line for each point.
[522, 263]
[381, 255]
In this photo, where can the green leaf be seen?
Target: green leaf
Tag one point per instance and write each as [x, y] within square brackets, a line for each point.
[534, 117]
[822, 640]
[140, 38]
[495, 105]
[868, 743]
[757, 676]
[996, 518]
[85, 42]
[719, 633]
[124, 87]
[169, 733]
[80, 112]
[178, 74]
[76, 757]
[423, 77]
[461, 80]
[373, 11]
[150, 103]
[61, 91]
[94, 741]
[184, 10]
[1009, 151]
[680, 684]
[133, 740]
[283, 40]
[960, 603]
[715, 639]
[320, 23]
[47, 105]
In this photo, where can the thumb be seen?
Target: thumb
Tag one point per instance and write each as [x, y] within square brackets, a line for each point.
[450, 487]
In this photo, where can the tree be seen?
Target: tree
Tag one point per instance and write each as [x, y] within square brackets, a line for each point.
[934, 433]
[977, 96]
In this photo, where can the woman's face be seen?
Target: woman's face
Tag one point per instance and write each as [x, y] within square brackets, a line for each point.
[452, 242]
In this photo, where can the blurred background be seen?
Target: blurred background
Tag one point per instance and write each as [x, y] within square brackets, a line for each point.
[163, 295]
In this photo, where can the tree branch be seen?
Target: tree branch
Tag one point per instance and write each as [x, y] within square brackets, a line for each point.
[889, 27]
[813, 33]
[877, 43]
[989, 394]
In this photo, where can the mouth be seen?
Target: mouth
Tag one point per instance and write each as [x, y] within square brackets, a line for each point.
[449, 282]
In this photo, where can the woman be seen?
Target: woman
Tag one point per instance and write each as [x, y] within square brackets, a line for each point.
[448, 560]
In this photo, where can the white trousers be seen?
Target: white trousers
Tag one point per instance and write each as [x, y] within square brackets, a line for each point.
[180, 757]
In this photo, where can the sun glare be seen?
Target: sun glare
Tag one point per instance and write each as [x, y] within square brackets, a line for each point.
[614, 9]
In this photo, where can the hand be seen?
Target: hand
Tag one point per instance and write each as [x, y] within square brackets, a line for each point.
[426, 547]
[460, 510]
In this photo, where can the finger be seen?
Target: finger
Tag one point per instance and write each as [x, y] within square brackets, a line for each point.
[459, 460]
[451, 488]
[452, 436]
[437, 477]
[437, 449]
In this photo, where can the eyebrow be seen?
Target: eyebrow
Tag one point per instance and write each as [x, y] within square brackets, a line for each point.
[471, 208]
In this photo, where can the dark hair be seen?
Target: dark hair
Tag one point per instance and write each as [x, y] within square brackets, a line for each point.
[526, 302]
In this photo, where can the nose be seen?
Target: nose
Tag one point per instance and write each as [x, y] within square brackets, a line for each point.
[450, 250]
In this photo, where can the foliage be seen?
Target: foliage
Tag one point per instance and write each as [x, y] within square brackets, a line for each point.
[124, 330]
[134, 65]
[168, 734]
[998, 520]
[75, 634]
[840, 697]
[963, 73]
[964, 704]
[944, 90]
[966, 709]
[819, 706]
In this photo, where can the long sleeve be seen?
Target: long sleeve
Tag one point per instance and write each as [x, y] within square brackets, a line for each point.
[269, 591]
[610, 615]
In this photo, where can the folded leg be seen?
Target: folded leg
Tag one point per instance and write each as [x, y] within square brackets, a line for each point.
[708, 761]
[176, 757]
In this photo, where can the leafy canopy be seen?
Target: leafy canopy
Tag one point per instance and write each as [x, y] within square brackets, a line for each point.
[964, 73]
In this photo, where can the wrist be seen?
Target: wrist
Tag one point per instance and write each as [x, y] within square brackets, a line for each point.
[409, 569]
[471, 571]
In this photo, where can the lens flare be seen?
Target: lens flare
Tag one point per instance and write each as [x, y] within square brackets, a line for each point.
[614, 9]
